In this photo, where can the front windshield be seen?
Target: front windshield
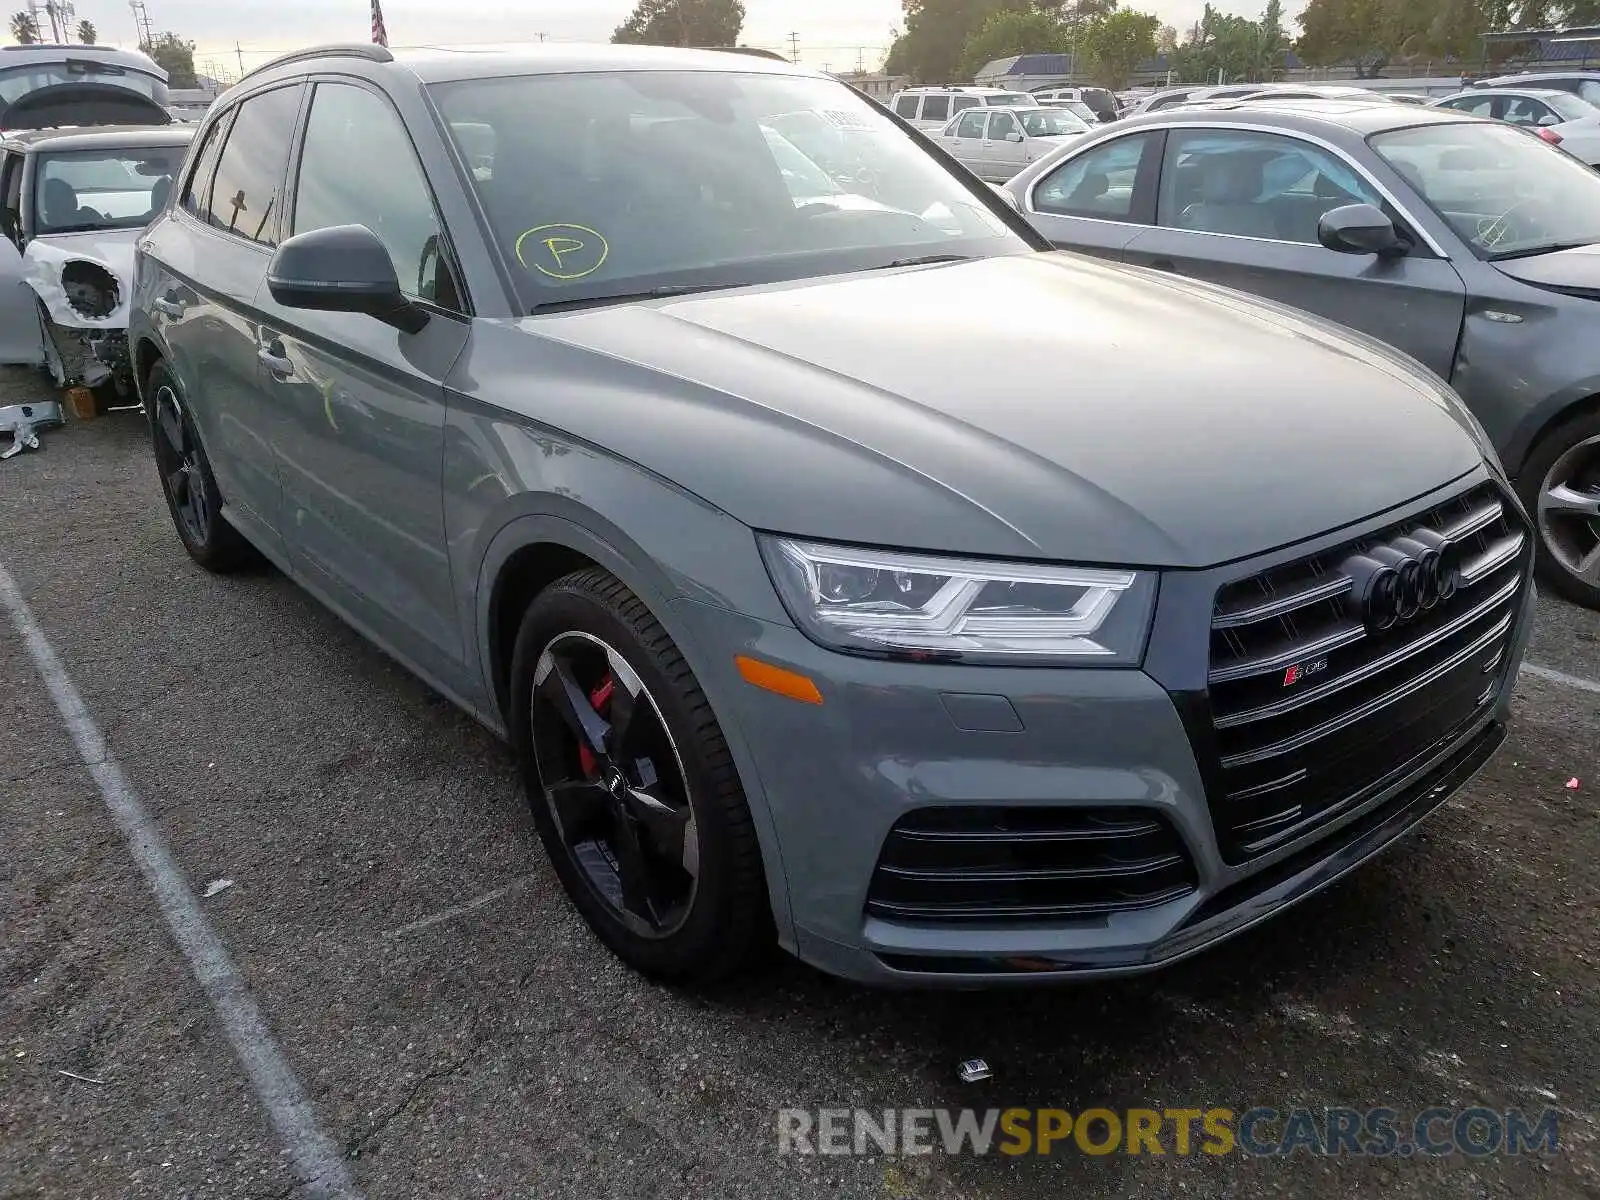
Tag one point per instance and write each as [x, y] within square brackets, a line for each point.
[604, 184]
[1051, 122]
[103, 189]
[17, 82]
[1503, 190]
[1568, 106]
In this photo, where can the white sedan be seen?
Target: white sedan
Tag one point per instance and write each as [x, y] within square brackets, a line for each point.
[1560, 118]
[996, 143]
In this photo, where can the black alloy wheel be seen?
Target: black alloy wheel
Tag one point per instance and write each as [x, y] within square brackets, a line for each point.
[187, 482]
[1560, 488]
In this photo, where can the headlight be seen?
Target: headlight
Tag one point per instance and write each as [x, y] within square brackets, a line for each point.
[929, 607]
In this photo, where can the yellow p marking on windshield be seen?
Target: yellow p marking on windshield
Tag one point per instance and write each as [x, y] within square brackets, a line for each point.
[562, 250]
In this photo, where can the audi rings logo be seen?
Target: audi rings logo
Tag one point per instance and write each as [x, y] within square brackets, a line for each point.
[1393, 583]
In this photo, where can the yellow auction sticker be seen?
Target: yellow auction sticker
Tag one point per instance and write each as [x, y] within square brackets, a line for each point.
[562, 251]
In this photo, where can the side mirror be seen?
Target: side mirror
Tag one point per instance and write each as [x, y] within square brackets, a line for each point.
[1549, 119]
[1013, 136]
[1005, 195]
[343, 268]
[1359, 229]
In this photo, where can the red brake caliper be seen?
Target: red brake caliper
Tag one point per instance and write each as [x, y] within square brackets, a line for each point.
[600, 698]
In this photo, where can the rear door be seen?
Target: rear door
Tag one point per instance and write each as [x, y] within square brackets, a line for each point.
[1240, 208]
[20, 342]
[210, 264]
[1099, 199]
[965, 142]
[362, 404]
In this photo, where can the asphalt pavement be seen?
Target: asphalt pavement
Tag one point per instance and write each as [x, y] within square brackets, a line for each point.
[458, 1033]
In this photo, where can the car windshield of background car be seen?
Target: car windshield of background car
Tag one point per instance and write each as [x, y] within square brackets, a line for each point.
[1506, 192]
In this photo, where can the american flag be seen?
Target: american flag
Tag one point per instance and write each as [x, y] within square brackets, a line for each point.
[380, 35]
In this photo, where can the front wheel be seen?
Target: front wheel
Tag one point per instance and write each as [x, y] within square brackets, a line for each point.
[633, 789]
[1560, 487]
[187, 482]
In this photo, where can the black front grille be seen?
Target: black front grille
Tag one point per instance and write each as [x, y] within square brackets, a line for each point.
[1313, 712]
[1027, 864]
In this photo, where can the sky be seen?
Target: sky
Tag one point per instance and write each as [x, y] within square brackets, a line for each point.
[833, 34]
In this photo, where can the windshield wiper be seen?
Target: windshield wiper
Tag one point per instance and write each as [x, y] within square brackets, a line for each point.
[1546, 248]
[655, 293]
[927, 260]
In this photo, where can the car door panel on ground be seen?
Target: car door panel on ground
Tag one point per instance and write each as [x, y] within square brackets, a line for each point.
[1094, 202]
[233, 195]
[20, 337]
[362, 403]
[1241, 208]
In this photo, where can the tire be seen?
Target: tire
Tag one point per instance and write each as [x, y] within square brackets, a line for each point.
[187, 483]
[1556, 484]
[714, 918]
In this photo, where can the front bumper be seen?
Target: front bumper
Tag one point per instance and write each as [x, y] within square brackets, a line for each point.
[833, 781]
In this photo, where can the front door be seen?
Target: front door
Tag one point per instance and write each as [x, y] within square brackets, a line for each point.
[1240, 208]
[1004, 148]
[1098, 200]
[362, 403]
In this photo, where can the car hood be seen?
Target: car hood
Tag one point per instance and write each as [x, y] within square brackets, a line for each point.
[1576, 271]
[1042, 405]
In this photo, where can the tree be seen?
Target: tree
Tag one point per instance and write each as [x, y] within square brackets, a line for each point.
[1115, 45]
[1166, 40]
[24, 29]
[683, 23]
[1221, 44]
[87, 33]
[174, 56]
[1012, 32]
[932, 50]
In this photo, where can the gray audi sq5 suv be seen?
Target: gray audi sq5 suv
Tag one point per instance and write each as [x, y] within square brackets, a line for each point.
[847, 570]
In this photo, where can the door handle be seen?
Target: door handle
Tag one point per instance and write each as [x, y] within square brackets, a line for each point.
[272, 357]
[169, 305]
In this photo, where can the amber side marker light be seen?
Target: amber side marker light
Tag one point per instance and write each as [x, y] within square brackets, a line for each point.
[776, 679]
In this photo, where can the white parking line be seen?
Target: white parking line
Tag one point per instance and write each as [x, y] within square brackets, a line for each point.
[1551, 675]
[316, 1160]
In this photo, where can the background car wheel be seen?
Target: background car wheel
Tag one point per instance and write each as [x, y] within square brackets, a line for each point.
[1560, 486]
[186, 481]
[633, 790]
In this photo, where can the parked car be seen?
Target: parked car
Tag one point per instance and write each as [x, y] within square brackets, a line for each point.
[804, 620]
[74, 203]
[1583, 84]
[996, 143]
[1099, 101]
[1560, 118]
[50, 86]
[1468, 245]
[1163, 98]
[931, 107]
[1077, 108]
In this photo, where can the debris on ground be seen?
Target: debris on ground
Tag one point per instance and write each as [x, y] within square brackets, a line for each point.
[21, 423]
[975, 1070]
[217, 886]
[85, 1078]
[1572, 784]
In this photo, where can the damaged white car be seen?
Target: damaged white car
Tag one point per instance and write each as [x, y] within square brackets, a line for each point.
[75, 202]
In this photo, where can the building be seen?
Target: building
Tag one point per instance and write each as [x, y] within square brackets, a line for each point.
[875, 84]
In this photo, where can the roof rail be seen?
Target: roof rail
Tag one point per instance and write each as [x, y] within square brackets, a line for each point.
[370, 51]
[73, 46]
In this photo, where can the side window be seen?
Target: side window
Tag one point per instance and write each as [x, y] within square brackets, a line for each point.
[936, 108]
[971, 125]
[196, 199]
[352, 139]
[1001, 126]
[1099, 183]
[1260, 185]
[906, 106]
[245, 194]
[962, 103]
[1522, 110]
